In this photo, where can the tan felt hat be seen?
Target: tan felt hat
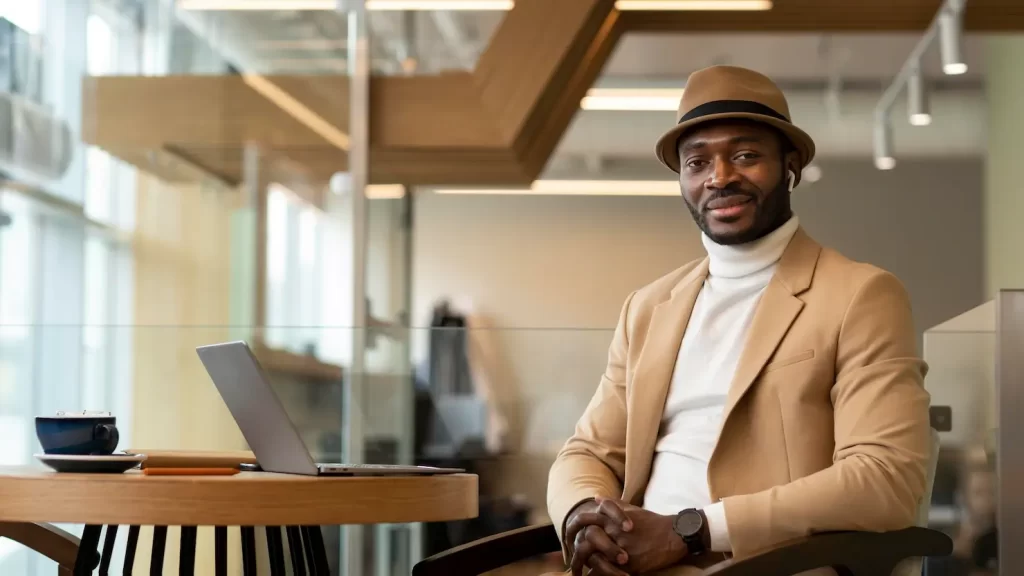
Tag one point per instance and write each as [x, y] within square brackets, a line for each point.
[721, 92]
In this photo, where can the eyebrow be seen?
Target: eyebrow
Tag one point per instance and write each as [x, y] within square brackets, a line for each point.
[742, 139]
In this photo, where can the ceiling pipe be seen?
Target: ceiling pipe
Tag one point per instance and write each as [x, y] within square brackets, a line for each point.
[949, 13]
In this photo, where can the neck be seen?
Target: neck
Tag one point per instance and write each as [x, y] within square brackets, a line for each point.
[739, 260]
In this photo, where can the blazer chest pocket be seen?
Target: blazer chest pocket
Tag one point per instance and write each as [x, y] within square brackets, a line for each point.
[789, 360]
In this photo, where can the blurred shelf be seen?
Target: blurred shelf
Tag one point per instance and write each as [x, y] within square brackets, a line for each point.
[285, 362]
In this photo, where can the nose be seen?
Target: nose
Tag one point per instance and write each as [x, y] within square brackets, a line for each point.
[722, 175]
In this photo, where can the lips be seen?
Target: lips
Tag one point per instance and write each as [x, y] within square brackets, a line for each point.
[727, 202]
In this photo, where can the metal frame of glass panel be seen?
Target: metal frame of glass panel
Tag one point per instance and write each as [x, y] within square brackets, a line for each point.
[358, 167]
[1010, 456]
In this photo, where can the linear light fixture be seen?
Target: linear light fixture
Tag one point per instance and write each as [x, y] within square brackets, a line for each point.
[476, 5]
[377, 5]
[705, 5]
[419, 5]
[385, 191]
[633, 99]
[578, 188]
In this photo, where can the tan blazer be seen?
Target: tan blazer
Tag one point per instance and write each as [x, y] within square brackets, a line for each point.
[826, 423]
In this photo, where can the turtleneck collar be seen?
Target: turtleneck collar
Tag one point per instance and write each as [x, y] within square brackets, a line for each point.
[741, 260]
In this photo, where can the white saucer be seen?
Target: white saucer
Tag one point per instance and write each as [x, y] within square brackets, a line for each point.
[110, 463]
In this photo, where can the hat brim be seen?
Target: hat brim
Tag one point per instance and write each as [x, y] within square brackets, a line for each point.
[667, 148]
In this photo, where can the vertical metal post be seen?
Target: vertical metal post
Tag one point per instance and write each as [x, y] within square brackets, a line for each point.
[358, 163]
[255, 194]
[1010, 454]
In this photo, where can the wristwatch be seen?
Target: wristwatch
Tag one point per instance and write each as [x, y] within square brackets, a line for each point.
[692, 526]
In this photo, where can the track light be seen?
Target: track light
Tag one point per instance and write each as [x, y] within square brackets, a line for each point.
[917, 99]
[950, 42]
[884, 159]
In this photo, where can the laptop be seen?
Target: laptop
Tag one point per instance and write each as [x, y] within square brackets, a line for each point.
[245, 388]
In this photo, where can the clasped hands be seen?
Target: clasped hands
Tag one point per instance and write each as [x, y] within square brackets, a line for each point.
[613, 538]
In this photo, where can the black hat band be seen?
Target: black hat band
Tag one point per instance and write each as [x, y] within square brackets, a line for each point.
[731, 107]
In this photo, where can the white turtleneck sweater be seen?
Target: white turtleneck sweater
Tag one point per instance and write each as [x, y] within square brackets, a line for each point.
[710, 350]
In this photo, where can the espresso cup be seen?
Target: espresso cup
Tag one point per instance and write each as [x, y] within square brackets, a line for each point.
[77, 434]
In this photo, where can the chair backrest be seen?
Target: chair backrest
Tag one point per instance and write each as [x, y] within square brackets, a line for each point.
[914, 566]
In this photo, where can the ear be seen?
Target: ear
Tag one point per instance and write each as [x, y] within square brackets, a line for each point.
[794, 173]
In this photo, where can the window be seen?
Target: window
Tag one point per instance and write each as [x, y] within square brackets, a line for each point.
[295, 238]
[66, 271]
[24, 15]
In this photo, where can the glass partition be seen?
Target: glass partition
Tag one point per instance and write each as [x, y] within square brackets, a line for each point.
[496, 402]
[962, 359]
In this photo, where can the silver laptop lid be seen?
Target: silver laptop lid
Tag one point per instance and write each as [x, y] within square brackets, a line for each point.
[257, 410]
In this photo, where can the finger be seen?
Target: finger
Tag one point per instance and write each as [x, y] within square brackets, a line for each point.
[584, 550]
[584, 519]
[603, 544]
[580, 521]
[613, 510]
[600, 566]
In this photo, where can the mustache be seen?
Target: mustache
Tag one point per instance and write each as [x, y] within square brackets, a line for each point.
[726, 193]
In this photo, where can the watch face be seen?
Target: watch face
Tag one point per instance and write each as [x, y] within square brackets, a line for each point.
[689, 523]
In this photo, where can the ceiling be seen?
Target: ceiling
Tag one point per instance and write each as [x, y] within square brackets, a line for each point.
[832, 82]
[786, 58]
[832, 78]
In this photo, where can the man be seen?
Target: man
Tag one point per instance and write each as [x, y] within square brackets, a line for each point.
[767, 392]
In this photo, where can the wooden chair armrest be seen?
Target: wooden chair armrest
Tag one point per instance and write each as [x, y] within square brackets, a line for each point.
[46, 539]
[491, 553]
[849, 553]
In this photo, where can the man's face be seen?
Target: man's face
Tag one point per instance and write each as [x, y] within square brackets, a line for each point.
[734, 180]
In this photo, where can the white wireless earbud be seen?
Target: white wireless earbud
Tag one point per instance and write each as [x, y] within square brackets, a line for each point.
[792, 180]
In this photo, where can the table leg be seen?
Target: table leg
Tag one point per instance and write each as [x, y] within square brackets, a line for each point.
[275, 550]
[86, 559]
[129, 552]
[315, 550]
[248, 551]
[220, 538]
[187, 551]
[295, 547]
[156, 563]
[109, 539]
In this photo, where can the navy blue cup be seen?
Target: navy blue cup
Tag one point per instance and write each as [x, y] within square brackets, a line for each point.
[79, 435]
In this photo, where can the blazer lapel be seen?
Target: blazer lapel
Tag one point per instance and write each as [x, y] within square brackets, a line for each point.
[778, 308]
[775, 313]
[650, 385]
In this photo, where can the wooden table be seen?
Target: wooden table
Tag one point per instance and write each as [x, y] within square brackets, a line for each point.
[248, 499]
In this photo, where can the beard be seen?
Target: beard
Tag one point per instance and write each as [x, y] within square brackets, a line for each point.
[770, 212]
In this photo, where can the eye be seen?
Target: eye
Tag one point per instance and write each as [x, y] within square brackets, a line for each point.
[749, 155]
[696, 163]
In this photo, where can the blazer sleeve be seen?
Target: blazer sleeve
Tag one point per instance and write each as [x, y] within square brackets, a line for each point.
[882, 435]
[592, 462]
